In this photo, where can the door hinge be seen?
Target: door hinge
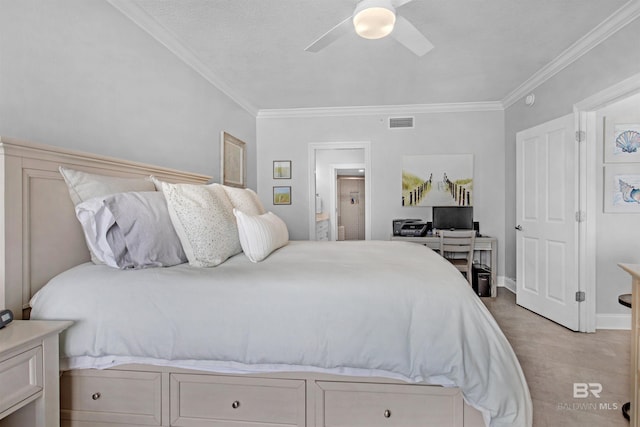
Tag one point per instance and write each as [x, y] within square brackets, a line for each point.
[581, 216]
[580, 296]
[581, 136]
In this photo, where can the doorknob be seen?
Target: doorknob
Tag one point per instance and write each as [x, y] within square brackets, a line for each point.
[518, 227]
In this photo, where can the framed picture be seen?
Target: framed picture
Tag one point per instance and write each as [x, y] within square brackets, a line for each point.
[233, 160]
[621, 142]
[622, 188]
[281, 195]
[282, 169]
[437, 180]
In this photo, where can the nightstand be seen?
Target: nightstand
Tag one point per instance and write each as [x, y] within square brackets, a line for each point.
[29, 373]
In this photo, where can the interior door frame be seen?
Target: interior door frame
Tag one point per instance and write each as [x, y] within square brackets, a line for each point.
[315, 146]
[585, 122]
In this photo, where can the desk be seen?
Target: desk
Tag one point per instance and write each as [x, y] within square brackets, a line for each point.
[483, 243]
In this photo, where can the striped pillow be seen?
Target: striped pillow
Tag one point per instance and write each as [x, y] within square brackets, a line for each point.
[260, 234]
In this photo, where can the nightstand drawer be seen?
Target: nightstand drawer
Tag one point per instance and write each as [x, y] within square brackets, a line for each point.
[388, 405]
[127, 397]
[198, 400]
[20, 378]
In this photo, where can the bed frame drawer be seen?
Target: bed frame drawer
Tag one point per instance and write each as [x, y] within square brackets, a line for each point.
[111, 396]
[209, 400]
[387, 405]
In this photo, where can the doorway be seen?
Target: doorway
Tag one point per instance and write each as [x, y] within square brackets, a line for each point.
[325, 162]
[350, 204]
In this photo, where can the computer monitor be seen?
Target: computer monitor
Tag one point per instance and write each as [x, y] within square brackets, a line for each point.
[452, 217]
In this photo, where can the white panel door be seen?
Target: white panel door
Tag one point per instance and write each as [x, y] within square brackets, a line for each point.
[547, 201]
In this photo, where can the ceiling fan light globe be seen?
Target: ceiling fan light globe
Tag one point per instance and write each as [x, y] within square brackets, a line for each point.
[374, 19]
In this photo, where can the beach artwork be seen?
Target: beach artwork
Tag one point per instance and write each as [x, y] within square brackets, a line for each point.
[624, 189]
[437, 180]
[622, 142]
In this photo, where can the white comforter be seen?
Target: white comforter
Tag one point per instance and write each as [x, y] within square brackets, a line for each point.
[389, 309]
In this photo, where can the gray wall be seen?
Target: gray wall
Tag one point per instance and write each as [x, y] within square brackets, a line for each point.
[78, 74]
[477, 133]
[617, 235]
[614, 60]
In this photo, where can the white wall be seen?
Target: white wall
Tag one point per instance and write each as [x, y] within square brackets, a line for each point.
[78, 74]
[617, 235]
[478, 133]
[611, 62]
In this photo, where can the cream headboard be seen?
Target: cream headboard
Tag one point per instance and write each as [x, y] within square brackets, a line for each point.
[41, 236]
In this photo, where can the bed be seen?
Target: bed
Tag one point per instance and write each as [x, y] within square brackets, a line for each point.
[316, 334]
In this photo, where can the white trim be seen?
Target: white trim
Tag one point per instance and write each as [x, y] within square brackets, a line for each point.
[169, 40]
[311, 167]
[619, 19]
[613, 321]
[289, 113]
[623, 89]
[508, 283]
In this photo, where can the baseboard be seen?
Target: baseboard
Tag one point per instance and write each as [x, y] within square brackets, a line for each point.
[506, 282]
[613, 321]
[603, 321]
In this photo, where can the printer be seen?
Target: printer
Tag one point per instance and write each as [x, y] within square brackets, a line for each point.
[410, 227]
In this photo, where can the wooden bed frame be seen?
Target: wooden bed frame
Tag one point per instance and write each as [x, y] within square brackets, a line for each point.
[41, 237]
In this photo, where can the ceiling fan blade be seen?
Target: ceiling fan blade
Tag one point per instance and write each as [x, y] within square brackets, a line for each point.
[332, 35]
[410, 37]
[398, 3]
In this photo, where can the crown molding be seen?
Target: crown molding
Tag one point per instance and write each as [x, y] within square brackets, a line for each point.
[165, 37]
[618, 20]
[380, 110]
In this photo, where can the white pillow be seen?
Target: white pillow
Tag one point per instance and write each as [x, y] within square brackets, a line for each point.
[96, 220]
[244, 199]
[202, 216]
[130, 230]
[84, 186]
[261, 234]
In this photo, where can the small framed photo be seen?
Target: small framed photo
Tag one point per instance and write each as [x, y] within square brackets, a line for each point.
[233, 161]
[281, 195]
[622, 188]
[282, 169]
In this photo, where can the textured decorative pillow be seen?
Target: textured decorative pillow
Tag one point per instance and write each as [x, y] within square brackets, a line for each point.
[260, 235]
[244, 199]
[84, 186]
[202, 216]
[142, 235]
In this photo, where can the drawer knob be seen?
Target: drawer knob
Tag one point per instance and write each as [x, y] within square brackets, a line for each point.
[96, 396]
[235, 404]
[387, 413]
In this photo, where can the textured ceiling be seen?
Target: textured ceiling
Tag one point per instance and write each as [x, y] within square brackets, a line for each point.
[484, 49]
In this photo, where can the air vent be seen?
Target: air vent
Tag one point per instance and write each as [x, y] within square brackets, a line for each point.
[400, 122]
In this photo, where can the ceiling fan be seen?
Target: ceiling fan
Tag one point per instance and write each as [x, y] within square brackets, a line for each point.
[375, 19]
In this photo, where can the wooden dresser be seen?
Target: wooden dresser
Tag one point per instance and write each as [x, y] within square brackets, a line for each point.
[634, 270]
